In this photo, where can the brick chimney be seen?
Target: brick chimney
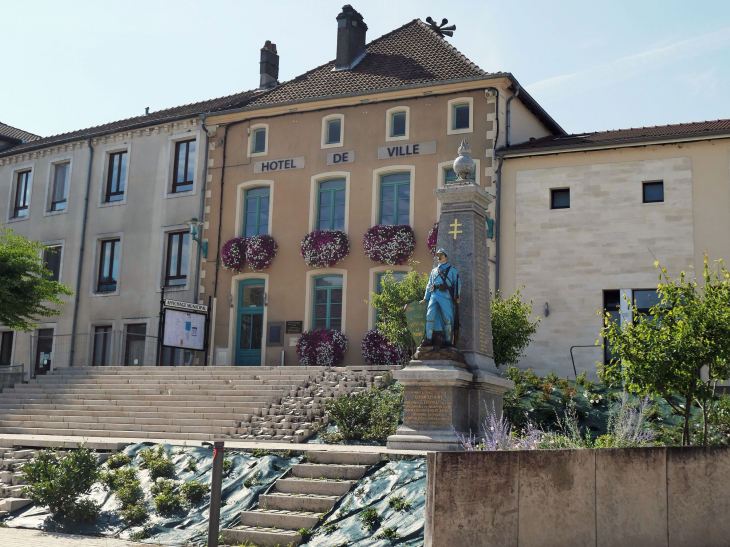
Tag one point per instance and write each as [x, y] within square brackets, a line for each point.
[269, 66]
[351, 31]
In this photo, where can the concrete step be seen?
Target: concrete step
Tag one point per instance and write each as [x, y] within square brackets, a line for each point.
[285, 520]
[157, 400]
[167, 428]
[310, 503]
[113, 410]
[264, 537]
[347, 458]
[112, 433]
[328, 471]
[177, 420]
[310, 486]
[189, 413]
[13, 504]
[42, 396]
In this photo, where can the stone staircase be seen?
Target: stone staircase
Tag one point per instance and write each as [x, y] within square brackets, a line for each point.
[11, 479]
[178, 403]
[298, 499]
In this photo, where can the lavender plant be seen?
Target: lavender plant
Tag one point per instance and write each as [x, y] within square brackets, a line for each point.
[627, 424]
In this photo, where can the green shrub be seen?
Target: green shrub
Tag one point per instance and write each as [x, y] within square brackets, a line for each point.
[58, 483]
[144, 533]
[369, 517]
[305, 533]
[368, 415]
[120, 459]
[166, 497]
[194, 491]
[130, 494]
[157, 463]
[191, 466]
[253, 480]
[388, 533]
[116, 478]
[227, 465]
[135, 514]
[399, 503]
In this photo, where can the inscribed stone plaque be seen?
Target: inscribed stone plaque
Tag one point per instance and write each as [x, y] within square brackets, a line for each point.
[428, 407]
[416, 320]
[294, 327]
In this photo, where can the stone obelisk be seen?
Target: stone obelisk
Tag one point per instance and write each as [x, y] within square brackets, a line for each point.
[446, 397]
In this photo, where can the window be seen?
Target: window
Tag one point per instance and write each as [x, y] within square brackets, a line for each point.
[461, 116]
[644, 300]
[334, 130]
[256, 212]
[6, 348]
[328, 302]
[109, 265]
[259, 141]
[560, 199]
[399, 276]
[331, 208]
[176, 268]
[102, 346]
[116, 177]
[653, 192]
[60, 181]
[52, 258]
[449, 175]
[395, 197]
[398, 124]
[134, 342]
[184, 170]
[611, 306]
[22, 195]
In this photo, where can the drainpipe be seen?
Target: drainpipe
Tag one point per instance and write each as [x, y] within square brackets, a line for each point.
[498, 212]
[202, 207]
[509, 129]
[81, 254]
[496, 117]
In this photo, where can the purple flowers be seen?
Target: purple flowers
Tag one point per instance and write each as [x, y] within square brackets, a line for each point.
[233, 253]
[325, 248]
[389, 244]
[433, 236]
[261, 252]
[377, 350]
[322, 348]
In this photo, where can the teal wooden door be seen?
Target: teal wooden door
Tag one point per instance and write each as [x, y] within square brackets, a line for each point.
[250, 324]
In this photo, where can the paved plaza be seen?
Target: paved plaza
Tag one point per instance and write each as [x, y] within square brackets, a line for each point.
[18, 537]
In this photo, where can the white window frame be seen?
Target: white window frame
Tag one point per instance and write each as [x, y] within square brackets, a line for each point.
[162, 261]
[377, 174]
[325, 123]
[314, 197]
[123, 335]
[233, 319]
[309, 301]
[91, 339]
[394, 110]
[107, 152]
[68, 158]
[252, 129]
[240, 203]
[172, 141]
[95, 261]
[373, 276]
[57, 243]
[27, 166]
[450, 115]
[441, 178]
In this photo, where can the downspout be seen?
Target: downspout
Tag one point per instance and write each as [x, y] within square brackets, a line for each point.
[509, 128]
[202, 207]
[81, 254]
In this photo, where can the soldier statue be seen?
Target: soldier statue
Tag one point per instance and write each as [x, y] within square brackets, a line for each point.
[443, 294]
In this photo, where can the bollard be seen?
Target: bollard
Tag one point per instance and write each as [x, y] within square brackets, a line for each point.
[215, 494]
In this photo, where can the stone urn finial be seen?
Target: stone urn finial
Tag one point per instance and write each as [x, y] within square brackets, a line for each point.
[464, 166]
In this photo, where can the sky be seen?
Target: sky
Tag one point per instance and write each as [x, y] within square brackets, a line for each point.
[592, 65]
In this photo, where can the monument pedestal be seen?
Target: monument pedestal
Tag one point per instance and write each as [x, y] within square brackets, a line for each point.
[443, 400]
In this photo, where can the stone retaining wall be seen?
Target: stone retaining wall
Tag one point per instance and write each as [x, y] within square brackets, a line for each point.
[630, 496]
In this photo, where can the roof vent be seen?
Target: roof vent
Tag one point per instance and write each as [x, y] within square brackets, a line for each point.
[269, 66]
[351, 31]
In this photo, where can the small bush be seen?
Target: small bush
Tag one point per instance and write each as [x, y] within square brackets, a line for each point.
[157, 463]
[305, 533]
[116, 478]
[58, 483]
[399, 503]
[253, 480]
[388, 533]
[135, 514]
[227, 465]
[194, 491]
[130, 494]
[191, 466]
[368, 415]
[144, 533]
[166, 499]
[330, 528]
[369, 517]
[120, 459]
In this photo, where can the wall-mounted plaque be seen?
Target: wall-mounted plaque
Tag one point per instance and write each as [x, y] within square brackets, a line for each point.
[285, 164]
[294, 327]
[408, 149]
[336, 158]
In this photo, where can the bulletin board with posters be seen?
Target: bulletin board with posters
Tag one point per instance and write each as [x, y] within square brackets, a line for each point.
[184, 328]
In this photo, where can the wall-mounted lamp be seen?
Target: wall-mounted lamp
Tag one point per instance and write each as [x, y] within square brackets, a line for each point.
[195, 225]
[230, 300]
[547, 309]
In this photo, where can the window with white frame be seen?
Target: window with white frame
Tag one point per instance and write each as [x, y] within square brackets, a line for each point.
[110, 251]
[52, 260]
[258, 140]
[460, 116]
[102, 346]
[6, 348]
[59, 188]
[176, 262]
[116, 176]
[183, 175]
[21, 202]
[135, 339]
[333, 131]
[397, 122]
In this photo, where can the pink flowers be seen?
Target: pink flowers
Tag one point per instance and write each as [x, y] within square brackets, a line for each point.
[433, 237]
[389, 244]
[377, 350]
[322, 348]
[233, 253]
[325, 248]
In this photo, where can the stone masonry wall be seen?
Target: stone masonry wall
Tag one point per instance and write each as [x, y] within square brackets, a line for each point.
[607, 240]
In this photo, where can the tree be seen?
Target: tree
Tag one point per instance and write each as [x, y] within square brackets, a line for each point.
[25, 284]
[391, 304]
[512, 328]
[663, 352]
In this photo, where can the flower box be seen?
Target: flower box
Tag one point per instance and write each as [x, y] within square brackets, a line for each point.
[392, 245]
[325, 248]
[322, 348]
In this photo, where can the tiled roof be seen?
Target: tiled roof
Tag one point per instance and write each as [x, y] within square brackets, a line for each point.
[16, 134]
[411, 54]
[623, 136]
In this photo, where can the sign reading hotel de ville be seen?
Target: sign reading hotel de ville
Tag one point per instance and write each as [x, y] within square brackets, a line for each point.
[278, 165]
[409, 149]
[336, 158]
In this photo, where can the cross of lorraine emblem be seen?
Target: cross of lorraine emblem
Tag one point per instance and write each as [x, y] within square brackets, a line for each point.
[455, 225]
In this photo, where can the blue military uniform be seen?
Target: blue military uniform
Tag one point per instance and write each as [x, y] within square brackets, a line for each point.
[440, 314]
